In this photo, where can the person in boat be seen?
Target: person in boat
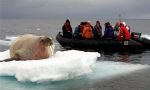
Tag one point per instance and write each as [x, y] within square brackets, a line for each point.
[78, 30]
[76, 33]
[109, 32]
[97, 30]
[116, 29]
[87, 32]
[124, 34]
[67, 29]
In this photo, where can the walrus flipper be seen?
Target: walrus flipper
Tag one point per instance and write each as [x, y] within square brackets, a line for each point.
[7, 60]
[16, 58]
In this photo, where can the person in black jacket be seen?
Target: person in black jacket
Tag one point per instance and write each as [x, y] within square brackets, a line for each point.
[97, 30]
[67, 29]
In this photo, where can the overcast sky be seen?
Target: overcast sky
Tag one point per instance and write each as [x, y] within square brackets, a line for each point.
[47, 9]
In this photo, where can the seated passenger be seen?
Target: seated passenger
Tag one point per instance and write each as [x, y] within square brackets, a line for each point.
[67, 29]
[116, 29]
[124, 34]
[109, 32]
[97, 30]
[77, 32]
[87, 31]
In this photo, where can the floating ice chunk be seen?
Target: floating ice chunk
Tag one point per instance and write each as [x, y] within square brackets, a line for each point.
[146, 36]
[63, 65]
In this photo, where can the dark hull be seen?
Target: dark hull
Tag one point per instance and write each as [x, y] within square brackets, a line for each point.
[107, 45]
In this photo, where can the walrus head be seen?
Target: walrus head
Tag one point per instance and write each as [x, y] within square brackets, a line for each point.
[46, 41]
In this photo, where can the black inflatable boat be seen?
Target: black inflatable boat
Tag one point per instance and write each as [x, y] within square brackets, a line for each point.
[104, 44]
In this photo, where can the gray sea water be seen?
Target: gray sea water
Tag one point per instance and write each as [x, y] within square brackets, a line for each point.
[10, 28]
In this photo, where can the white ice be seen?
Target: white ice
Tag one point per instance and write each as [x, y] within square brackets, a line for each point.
[8, 40]
[63, 65]
[146, 36]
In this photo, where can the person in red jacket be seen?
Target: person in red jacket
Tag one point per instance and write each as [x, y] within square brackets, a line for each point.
[124, 34]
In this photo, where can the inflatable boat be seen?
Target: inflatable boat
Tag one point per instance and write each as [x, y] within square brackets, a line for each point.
[103, 44]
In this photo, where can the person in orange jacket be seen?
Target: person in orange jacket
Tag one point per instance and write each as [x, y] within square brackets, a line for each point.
[124, 34]
[87, 31]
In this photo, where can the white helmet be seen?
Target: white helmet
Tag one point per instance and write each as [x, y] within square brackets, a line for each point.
[124, 23]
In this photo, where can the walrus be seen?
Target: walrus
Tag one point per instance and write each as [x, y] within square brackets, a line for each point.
[31, 47]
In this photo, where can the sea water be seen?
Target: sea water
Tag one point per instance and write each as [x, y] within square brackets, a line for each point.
[66, 70]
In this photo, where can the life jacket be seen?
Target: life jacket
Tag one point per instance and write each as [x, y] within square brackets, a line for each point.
[124, 34]
[87, 32]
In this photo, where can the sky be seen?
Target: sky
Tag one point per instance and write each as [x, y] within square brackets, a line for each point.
[56, 9]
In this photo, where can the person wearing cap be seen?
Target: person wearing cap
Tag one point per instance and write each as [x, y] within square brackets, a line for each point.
[97, 30]
[67, 29]
[109, 32]
[124, 34]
